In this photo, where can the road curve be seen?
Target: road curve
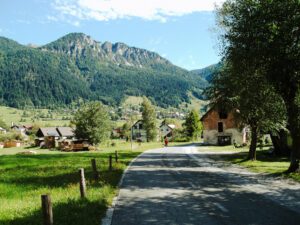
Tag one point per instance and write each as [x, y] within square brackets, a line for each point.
[177, 186]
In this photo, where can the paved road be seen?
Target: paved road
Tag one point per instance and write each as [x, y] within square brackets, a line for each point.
[178, 186]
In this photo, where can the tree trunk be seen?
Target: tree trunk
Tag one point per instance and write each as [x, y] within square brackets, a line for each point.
[295, 154]
[253, 144]
[280, 144]
[293, 114]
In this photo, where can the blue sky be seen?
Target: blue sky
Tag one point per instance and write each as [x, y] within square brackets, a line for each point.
[180, 30]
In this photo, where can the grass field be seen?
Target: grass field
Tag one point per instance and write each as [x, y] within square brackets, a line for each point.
[30, 116]
[24, 178]
[265, 162]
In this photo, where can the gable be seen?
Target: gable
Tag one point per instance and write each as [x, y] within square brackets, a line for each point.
[138, 125]
[213, 117]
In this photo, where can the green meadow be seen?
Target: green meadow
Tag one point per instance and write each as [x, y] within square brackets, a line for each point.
[24, 178]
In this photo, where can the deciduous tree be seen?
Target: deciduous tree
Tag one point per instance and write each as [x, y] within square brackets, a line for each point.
[149, 119]
[92, 122]
[265, 35]
[192, 125]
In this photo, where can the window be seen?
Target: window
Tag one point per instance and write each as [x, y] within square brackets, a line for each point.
[141, 126]
[220, 127]
[223, 115]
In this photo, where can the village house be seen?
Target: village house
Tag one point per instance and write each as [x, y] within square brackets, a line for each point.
[19, 128]
[49, 136]
[166, 131]
[222, 128]
[138, 132]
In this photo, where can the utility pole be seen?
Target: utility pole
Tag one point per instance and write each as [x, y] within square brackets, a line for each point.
[131, 137]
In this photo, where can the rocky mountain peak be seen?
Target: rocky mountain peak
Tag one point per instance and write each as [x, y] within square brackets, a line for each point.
[80, 45]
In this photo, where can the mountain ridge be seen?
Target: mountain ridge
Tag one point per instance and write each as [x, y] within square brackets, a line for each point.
[119, 53]
[76, 66]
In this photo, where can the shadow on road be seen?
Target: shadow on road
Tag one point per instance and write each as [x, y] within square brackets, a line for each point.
[171, 188]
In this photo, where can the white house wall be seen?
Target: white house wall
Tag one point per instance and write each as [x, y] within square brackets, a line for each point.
[211, 136]
[165, 130]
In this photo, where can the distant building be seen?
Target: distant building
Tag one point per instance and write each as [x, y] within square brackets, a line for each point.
[166, 130]
[222, 128]
[19, 128]
[47, 132]
[138, 131]
[49, 136]
[22, 129]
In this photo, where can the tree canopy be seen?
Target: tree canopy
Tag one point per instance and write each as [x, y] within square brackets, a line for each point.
[261, 37]
[149, 119]
[92, 123]
[192, 125]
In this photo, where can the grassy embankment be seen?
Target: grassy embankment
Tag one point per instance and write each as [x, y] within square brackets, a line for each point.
[265, 162]
[24, 178]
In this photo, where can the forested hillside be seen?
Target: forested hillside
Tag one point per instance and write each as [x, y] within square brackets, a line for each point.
[76, 66]
[208, 72]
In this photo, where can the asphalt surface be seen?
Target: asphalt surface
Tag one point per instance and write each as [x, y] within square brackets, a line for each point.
[177, 185]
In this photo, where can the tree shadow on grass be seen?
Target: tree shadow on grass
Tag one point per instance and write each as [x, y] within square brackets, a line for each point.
[73, 212]
[65, 179]
[261, 155]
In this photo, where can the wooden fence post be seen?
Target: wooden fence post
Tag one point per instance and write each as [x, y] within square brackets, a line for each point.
[47, 210]
[110, 163]
[82, 183]
[116, 155]
[95, 171]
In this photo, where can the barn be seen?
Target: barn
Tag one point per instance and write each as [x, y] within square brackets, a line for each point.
[221, 127]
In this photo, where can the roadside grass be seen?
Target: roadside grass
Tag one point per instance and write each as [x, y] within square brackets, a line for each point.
[24, 178]
[265, 162]
[220, 149]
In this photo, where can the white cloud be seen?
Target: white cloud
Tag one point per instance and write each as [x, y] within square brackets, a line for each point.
[104, 10]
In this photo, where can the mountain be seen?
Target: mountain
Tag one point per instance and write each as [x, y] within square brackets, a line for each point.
[76, 66]
[79, 46]
[207, 73]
